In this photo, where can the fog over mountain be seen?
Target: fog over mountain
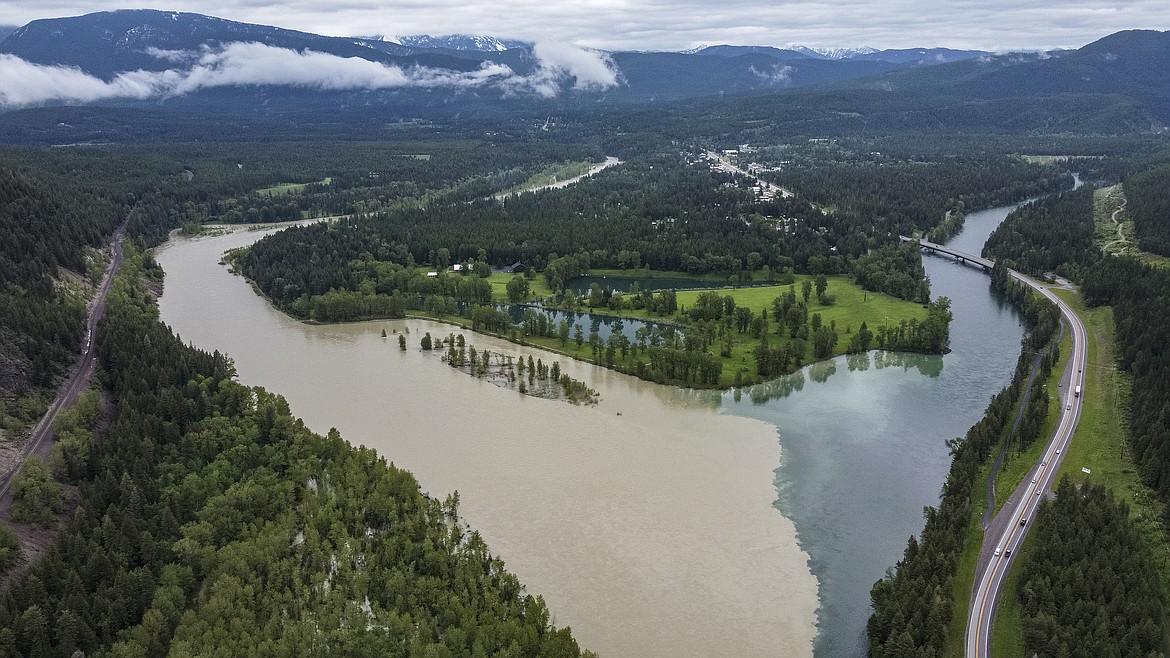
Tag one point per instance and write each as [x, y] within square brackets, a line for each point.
[156, 58]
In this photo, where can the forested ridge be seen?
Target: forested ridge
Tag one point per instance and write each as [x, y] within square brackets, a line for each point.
[47, 226]
[212, 522]
[903, 197]
[1052, 234]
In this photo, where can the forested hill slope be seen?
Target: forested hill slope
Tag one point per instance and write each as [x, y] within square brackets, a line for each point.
[104, 44]
[157, 61]
[1133, 64]
[44, 229]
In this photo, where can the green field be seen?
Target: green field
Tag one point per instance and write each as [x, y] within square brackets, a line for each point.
[1114, 230]
[289, 188]
[550, 176]
[537, 287]
[852, 307]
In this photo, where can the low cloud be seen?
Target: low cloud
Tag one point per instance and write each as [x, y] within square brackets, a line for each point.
[589, 69]
[23, 83]
[778, 74]
[172, 55]
[251, 64]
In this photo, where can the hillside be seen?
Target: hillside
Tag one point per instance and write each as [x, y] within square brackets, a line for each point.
[1134, 64]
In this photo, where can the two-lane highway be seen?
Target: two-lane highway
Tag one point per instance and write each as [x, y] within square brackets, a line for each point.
[1039, 480]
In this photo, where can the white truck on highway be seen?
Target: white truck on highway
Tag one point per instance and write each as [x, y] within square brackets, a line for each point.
[1077, 392]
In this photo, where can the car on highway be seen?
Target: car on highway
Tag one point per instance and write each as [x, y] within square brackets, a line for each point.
[1035, 479]
[997, 551]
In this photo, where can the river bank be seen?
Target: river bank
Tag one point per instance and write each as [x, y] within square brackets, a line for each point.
[650, 533]
[864, 450]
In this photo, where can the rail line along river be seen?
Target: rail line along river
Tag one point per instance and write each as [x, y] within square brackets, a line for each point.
[661, 522]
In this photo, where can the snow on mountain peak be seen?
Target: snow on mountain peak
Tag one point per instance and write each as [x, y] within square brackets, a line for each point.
[832, 53]
[474, 43]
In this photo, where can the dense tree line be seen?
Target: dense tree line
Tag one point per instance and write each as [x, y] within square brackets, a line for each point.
[1138, 295]
[1085, 585]
[912, 607]
[1149, 207]
[1052, 234]
[902, 197]
[664, 211]
[659, 212]
[48, 225]
[895, 270]
[212, 522]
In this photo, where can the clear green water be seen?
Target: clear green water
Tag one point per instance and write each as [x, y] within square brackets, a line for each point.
[863, 438]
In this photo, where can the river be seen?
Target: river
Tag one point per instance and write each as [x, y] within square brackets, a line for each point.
[646, 521]
[865, 436]
[661, 522]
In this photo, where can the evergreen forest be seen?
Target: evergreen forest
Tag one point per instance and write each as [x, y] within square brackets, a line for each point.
[187, 514]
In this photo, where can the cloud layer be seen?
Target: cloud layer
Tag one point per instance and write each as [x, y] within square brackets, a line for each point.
[993, 25]
[247, 64]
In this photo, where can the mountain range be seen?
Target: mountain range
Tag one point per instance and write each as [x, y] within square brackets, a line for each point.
[149, 59]
[106, 44]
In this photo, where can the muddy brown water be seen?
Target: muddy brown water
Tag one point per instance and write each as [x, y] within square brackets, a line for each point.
[646, 522]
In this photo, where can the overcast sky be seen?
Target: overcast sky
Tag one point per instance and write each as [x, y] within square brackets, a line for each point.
[995, 25]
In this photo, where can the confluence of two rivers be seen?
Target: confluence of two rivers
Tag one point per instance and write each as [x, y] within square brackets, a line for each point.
[662, 522]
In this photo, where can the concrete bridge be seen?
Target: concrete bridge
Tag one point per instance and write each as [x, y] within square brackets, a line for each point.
[943, 249]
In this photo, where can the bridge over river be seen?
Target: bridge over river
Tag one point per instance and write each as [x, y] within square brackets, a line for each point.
[985, 263]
